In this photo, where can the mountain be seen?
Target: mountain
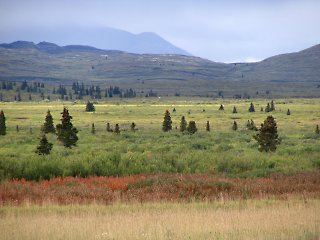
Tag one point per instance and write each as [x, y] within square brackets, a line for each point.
[287, 75]
[102, 38]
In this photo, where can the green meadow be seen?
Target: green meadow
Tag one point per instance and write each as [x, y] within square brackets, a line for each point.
[149, 150]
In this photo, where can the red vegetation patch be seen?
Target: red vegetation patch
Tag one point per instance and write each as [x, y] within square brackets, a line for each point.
[163, 187]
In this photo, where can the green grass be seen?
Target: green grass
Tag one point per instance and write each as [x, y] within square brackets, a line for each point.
[149, 150]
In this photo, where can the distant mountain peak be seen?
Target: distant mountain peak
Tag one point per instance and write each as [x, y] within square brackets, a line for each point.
[102, 38]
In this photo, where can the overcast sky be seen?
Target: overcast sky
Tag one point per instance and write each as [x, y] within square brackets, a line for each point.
[224, 31]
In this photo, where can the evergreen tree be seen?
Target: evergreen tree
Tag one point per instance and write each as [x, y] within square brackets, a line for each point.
[317, 131]
[221, 108]
[208, 126]
[235, 126]
[174, 110]
[17, 128]
[288, 112]
[117, 129]
[109, 128]
[261, 109]
[67, 134]
[234, 110]
[272, 107]
[183, 124]
[192, 128]
[133, 127]
[3, 128]
[268, 108]
[90, 107]
[251, 108]
[48, 126]
[44, 147]
[267, 137]
[251, 125]
[93, 129]
[167, 123]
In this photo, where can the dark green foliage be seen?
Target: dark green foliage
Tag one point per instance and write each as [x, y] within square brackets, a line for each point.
[133, 127]
[251, 125]
[67, 134]
[174, 110]
[234, 110]
[235, 126]
[48, 126]
[183, 124]
[317, 131]
[167, 122]
[261, 109]
[44, 147]
[109, 128]
[251, 108]
[17, 128]
[272, 107]
[117, 129]
[208, 126]
[93, 129]
[288, 112]
[268, 135]
[90, 107]
[221, 108]
[268, 108]
[3, 128]
[192, 128]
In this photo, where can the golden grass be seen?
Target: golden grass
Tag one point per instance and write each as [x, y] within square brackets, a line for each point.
[251, 219]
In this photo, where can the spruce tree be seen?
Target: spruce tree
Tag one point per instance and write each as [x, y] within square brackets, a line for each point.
[267, 137]
[167, 122]
[67, 134]
[109, 128]
[192, 128]
[93, 129]
[261, 109]
[317, 131]
[133, 127]
[208, 126]
[3, 128]
[44, 147]
[48, 126]
[288, 112]
[251, 108]
[117, 129]
[183, 124]
[90, 107]
[235, 126]
[234, 110]
[272, 107]
[17, 128]
[268, 108]
[221, 108]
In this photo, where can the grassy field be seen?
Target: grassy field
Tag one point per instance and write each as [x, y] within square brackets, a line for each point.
[149, 150]
[250, 219]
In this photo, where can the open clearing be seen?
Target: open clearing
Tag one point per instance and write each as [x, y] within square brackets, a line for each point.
[250, 219]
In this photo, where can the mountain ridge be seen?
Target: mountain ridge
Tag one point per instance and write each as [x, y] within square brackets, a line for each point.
[297, 73]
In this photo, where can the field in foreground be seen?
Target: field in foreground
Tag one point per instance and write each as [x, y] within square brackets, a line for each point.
[221, 151]
[250, 219]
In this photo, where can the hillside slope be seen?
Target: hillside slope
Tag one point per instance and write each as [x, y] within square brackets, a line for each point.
[294, 73]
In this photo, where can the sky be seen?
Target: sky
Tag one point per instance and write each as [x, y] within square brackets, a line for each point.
[222, 31]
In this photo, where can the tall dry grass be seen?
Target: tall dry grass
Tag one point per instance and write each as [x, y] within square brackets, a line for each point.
[251, 219]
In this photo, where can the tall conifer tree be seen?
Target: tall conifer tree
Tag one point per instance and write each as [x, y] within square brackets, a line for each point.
[183, 124]
[267, 137]
[3, 128]
[167, 122]
[44, 147]
[48, 126]
[67, 134]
